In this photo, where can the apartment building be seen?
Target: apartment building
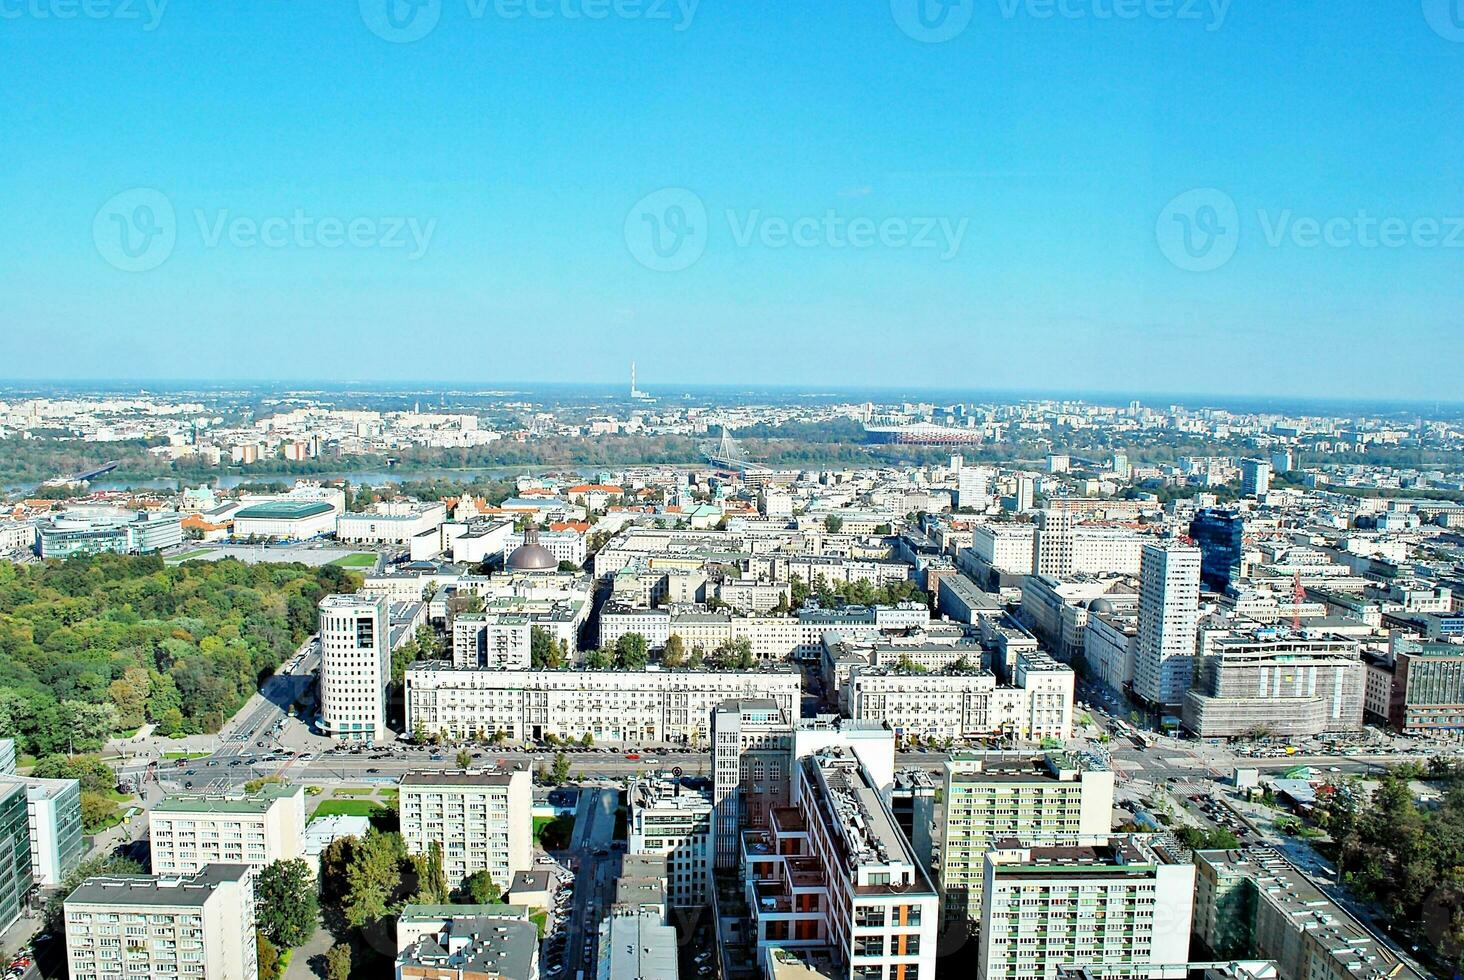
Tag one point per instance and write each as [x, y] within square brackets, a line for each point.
[491, 641]
[1119, 908]
[482, 820]
[675, 821]
[189, 832]
[199, 927]
[466, 942]
[1252, 903]
[355, 666]
[962, 702]
[989, 797]
[1169, 601]
[834, 875]
[651, 705]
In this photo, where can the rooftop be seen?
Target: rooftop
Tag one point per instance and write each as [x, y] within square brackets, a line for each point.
[259, 802]
[284, 510]
[157, 892]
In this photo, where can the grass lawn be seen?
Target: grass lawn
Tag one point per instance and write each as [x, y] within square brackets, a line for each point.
[347, 808]
[540, 919]
[358, 560]
[186, 755]
[553, 833]
[353, 791]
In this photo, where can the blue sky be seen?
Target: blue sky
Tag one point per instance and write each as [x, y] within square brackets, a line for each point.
[1014, 183]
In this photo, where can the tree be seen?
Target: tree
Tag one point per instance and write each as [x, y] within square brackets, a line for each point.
[479, 889]
[431, 888]
[543, 651]
[598, 660]
[587, 740]
[674, 655]
[338, 962]
[285, 902]
[833, 523]
[268, 956]
[464, 759]
[631, 651]
[560, 772]
[373, 878]
[97, 812]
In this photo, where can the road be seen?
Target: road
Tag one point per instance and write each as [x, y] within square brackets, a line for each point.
[597, 867]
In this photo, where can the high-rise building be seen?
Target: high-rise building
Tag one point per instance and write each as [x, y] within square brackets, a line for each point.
[1255, 477]
[834, 875]
[16, 878]
[482, 819]
[989, 797]
[1026, 494]
[53, 807]
[139, 926]
[190, 832]
[1121, 908]
[491, 641]
[1283, 460]
[673, 820]
[973, 487]
[752, 743]
[355, 666]
[1220, 536]
[1169, 612]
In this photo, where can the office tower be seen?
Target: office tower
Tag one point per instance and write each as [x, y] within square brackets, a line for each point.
[1283, 460]
[189, 832]
[1255, 477]
[355, 666]
[672, 820]
[1169, 601]
[140, 926]
[1119, 464]
[752, 741]
[1118, 908]
[16, 878]
[1220, 536]
[989, 797]
[1054, 546]
[57, 843]
[482, 819]
[1026, 493]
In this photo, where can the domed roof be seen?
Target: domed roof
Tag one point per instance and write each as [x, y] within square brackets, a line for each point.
[531, 556]
[1102, 606]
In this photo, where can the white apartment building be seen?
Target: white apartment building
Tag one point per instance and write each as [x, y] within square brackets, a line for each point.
[355, 666]
[1119, 908]
[651, 705]
[989, 797]
[189, 832]
[1005, 547]
[669, 819]
[482, 819]
[199, 927]
[835, 874]
[491, 641]
[617, 620]
[966, 703]
[1169, 615]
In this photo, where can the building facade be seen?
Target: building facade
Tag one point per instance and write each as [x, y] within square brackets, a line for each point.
[1169, 612]
[673, 820]
[482, 820]
[190, 832]
[355, 666]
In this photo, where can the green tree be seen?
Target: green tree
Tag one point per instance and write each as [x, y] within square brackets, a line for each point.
[464, 759]
[587, 740]
[833, 524]
[97, 812]
[338, 962]
[674, 655]
[267, 956]
[479, 889]
[374, 878]
[543, 650]
[285, 902]
[631, 651]
[560, 772]
[598, 660]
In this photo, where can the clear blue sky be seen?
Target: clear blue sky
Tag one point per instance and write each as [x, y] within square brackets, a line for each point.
[524, 144]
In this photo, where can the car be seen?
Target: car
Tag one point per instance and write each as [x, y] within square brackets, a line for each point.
[702, 958]
[373, 770]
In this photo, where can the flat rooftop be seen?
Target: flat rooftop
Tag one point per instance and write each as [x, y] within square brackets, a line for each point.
[157, 892]
[259, 802]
